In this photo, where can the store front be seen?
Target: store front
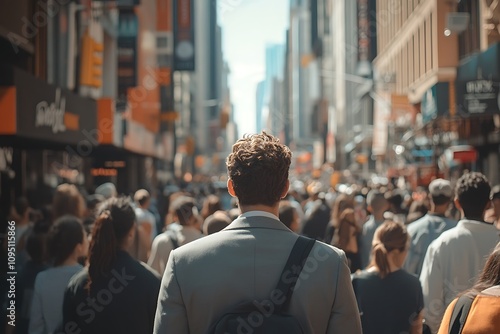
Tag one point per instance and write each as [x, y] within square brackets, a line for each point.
[128, 155]
[49, 132]
[478, 108]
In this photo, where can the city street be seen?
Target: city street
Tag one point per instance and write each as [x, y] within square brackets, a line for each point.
[128, 110]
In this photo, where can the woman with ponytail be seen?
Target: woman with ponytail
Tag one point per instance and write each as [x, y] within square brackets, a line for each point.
[116, 293]
[389, 298]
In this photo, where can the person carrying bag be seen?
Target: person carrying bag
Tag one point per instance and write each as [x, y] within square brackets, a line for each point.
[478, 309]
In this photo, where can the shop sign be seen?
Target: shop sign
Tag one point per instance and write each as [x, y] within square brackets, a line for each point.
[477, 83]
[184, 52]
[479, 96]
[51, 114]
[47, 112]
[128, 28]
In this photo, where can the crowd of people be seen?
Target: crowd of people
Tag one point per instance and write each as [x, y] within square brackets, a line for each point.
[387, 260]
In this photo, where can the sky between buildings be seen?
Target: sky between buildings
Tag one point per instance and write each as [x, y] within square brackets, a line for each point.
[247, 26]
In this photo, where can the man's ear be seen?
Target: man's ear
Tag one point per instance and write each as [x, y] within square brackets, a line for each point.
[230, 188]
[285, 190]
[457, 204]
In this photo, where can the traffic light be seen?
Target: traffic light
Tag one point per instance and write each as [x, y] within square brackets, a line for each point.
[91, 62]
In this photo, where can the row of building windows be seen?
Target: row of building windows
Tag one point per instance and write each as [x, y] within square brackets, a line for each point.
[415, 58]
[391, 16]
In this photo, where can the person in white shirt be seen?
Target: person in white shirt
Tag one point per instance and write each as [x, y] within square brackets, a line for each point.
[145, 219]
[185, 213]
[458, 255]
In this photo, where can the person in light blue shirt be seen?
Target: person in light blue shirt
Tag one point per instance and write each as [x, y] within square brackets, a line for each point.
[425, 230]
[377, 205]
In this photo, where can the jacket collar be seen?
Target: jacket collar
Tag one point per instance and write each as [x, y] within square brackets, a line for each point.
[257, 222]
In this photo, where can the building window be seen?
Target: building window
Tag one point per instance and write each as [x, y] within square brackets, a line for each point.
[431, 40]
[469, 41]
[164, 48]
[428, 45]
[421, 33]
[57, 47]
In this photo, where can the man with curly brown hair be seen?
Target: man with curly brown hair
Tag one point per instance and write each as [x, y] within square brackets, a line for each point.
[244, 261]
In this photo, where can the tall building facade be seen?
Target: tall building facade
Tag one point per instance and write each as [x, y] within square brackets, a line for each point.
[440, 112]
[87, 94]
[211, 92]
[352, 37]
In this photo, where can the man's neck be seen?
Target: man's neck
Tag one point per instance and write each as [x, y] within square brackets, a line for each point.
[438, 209]
[479, 219]
[260, 207]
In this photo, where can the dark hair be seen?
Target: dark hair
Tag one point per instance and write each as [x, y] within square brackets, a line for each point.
[490, 276]
[473, 193]
[36, 241]
[116, 217]
[94, 200]
[440, 199]
[66, 233]
[418, 209]
[388, 236]
[258, 167]
[184, 208]
[216, 222]
[376, 200]
[286, 213]
[394, 198]
[210, 206]
[67, 201]
[342, 202]
[21, 205]
[346, 221]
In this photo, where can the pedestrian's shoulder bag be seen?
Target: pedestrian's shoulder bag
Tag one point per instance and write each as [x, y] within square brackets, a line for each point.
[269, 316]
[460, 313]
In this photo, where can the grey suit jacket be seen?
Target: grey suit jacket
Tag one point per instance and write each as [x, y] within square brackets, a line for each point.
[242, 263]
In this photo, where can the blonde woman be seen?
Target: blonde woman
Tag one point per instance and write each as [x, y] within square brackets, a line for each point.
[389, 298]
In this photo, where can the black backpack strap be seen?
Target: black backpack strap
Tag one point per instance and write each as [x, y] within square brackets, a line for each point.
[460, 312]
[292, 269]
[173, 238]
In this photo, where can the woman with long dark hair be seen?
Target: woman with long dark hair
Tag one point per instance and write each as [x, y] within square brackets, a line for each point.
[117, 294]
[484, 314]
[67, 244]
[389, 298]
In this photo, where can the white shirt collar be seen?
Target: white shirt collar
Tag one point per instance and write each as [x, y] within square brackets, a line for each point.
[258, 214]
